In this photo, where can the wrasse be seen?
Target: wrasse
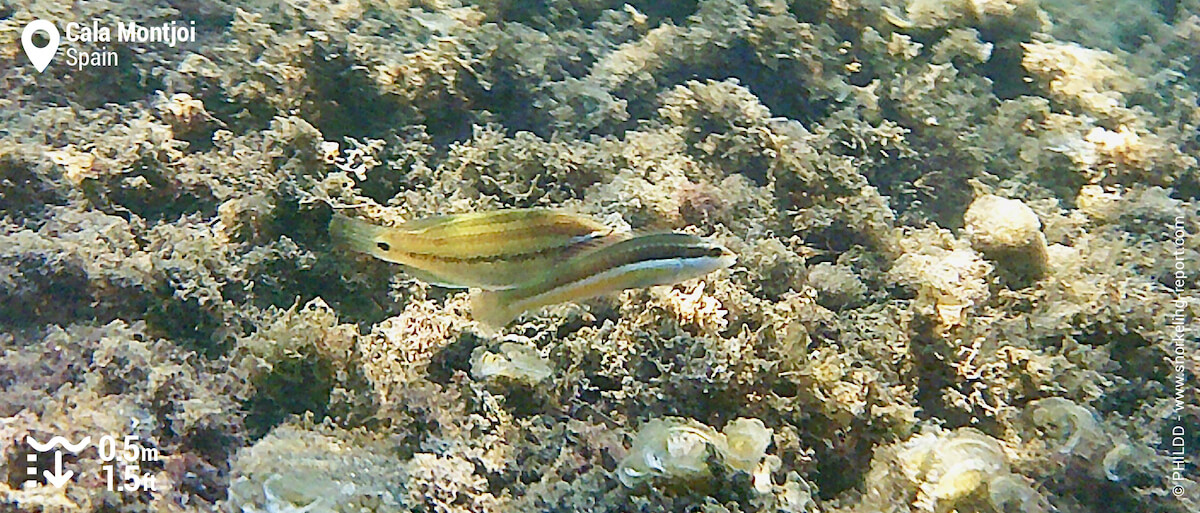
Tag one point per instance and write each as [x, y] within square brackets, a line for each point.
[488, 250]
[635, 262]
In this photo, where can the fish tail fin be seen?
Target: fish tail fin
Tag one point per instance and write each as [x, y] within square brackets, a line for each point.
[355, 234]
[492, 308]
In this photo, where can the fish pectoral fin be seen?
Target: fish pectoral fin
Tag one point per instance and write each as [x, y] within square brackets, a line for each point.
[424, 223]
[491, 308]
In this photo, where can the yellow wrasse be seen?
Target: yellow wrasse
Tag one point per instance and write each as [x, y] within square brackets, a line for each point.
[635, 262]
[488, 250]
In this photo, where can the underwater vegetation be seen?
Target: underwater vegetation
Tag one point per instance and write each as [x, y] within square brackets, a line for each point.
[965, 276]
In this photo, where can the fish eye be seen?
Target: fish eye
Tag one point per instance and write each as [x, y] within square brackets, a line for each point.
[383, 245]
[716, 252]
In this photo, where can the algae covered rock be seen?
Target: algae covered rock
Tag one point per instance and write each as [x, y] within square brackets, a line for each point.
[514, 361]
[1009, 233]
[837, 285]
[950, 278]
[943, 471]
[746, 443]
[671, 448]
[680, 449]
[294, 469]
[1067, 425]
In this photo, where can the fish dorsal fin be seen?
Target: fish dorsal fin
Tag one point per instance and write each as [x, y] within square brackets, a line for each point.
[424, 223]
[450, 222]
[658, 225]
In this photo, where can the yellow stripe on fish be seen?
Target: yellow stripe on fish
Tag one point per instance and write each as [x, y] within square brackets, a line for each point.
[489, 250]
[635, 262]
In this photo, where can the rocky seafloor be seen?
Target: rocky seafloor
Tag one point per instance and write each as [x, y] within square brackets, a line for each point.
[967, 275]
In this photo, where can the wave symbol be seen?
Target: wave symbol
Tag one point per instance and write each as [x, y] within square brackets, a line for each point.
[58, 440]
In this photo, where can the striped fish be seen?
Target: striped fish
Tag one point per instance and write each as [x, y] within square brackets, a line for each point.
[634, 262]
[488, 250]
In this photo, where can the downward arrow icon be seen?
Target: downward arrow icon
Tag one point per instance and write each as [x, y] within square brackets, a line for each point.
[58, 478]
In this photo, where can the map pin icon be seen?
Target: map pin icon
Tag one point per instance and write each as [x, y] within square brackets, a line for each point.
[40, 57]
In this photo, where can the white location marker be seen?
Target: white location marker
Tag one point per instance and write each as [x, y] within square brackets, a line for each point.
[40, 57]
